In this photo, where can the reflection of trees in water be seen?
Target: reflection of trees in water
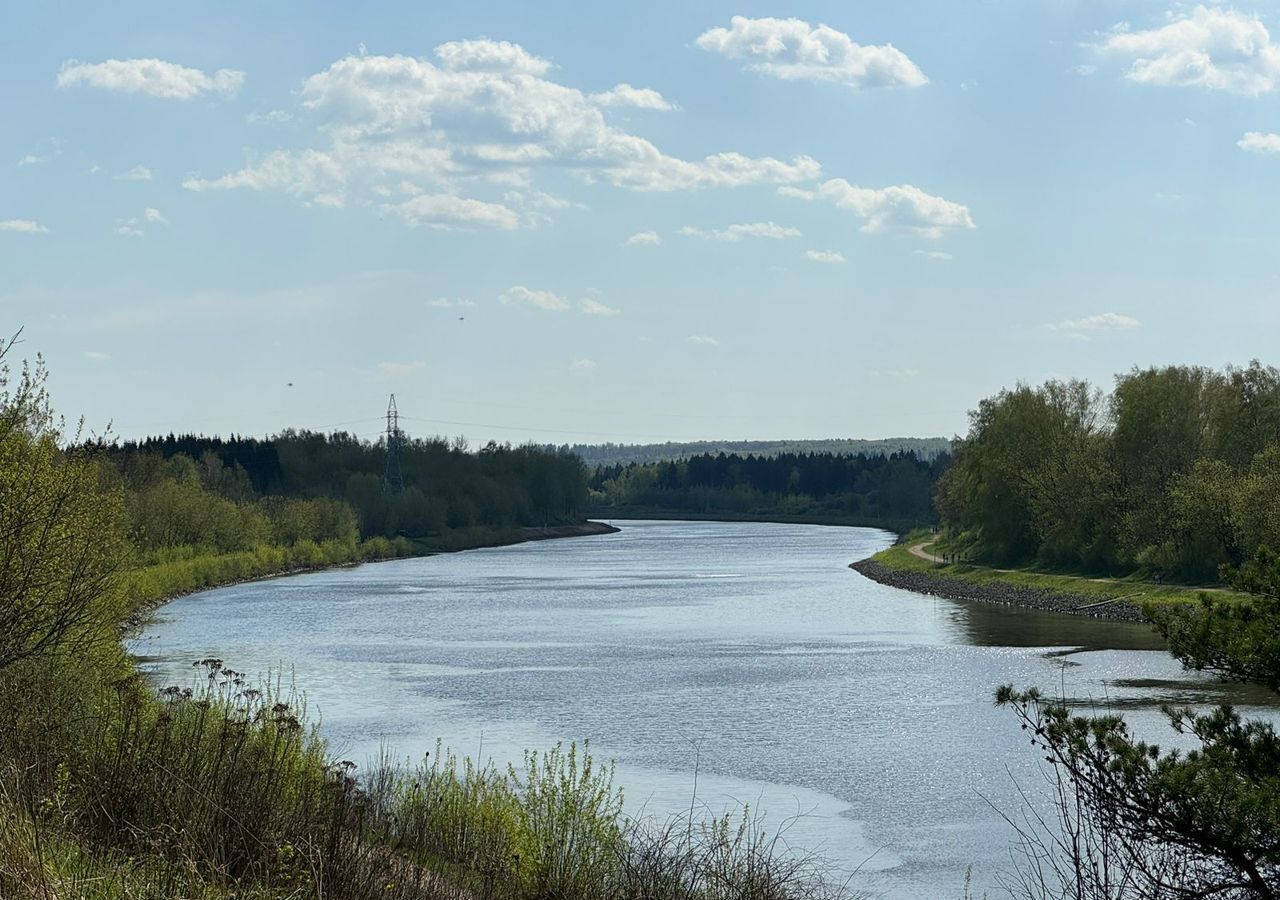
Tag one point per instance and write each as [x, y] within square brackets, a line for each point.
[994, 625]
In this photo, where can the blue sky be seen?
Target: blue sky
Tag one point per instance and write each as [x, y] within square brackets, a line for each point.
[666, 221]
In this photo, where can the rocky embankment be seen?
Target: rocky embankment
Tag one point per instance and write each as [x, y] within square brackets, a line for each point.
[1003, 593]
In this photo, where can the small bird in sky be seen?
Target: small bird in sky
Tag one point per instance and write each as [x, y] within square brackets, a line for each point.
[290, 384]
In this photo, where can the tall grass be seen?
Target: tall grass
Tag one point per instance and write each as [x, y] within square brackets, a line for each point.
[224, 790]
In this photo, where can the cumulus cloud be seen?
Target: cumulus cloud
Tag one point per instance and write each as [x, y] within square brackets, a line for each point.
[448, 211]
[582, 366]
[644, 239]
[1260, 142]
[770, 230]
[596, 308]
[154, 77]
[32, 159]
[400, 369]
[794, 50]
[1101, 322]
[901, 207]
[639, 98]
[519, 295]
[703, 340]
[137, 173]
[482, 115]
[151, 214]
[1216, 48]
[830, 257]
[23, 226]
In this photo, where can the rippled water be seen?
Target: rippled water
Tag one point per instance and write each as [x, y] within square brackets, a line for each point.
[859, 713]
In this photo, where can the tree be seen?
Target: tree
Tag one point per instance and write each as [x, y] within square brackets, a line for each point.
[1141, 823]
[61, 532]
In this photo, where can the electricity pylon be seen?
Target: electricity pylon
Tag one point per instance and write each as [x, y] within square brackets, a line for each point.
[392, 480]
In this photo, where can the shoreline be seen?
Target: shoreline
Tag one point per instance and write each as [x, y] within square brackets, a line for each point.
[139, 617]
[999, 593]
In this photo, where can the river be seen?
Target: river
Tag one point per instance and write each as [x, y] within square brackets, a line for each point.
[858, 715]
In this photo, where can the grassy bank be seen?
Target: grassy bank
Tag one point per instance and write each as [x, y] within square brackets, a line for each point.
[173, 572]
[1076, 592]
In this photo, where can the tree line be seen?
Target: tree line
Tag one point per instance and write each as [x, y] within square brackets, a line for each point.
[238, 491]
[894, 490]
[1175, 473]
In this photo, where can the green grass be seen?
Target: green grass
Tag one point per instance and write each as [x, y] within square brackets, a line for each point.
[1134, 588]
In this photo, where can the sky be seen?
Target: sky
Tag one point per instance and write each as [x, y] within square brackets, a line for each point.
[571, 222]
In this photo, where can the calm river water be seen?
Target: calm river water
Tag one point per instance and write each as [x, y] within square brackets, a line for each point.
[860, 712]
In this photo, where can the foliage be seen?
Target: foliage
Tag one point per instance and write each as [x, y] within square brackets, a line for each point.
[1173, 475]
[894, 490]
[596, 455]
[60, 545]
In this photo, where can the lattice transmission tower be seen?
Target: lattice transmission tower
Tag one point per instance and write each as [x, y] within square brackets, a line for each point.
[392, 480]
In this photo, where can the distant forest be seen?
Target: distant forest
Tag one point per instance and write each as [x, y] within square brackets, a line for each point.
[607, 454]
[1175, 473]
[893, 491]
[180, 481]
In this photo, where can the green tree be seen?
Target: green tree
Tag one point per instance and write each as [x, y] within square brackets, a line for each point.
[61, 532]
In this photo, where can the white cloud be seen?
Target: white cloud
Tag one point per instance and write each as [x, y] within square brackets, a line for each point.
[483, 115]
[400, 369]
[794, 50]
[771, 230]
[901, 207]
[936, 255]
[132, 227]
[644, 239]
[1216, 48]
[1100, 322]
[582, 366]
[703, 340]
[23, 226]
[596, 308]
[270, 117]
[137, 173]
[1260, 142]
[97, 355]
[446, 303]
[448, 211]
[154, 77]
[824, 256]
[640, 98]
[519, 295]
[32, 159]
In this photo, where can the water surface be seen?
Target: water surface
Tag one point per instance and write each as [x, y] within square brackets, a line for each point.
[859, 714]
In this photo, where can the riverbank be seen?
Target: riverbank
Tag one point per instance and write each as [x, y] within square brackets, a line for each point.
[155, 585]
[1098, 598]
